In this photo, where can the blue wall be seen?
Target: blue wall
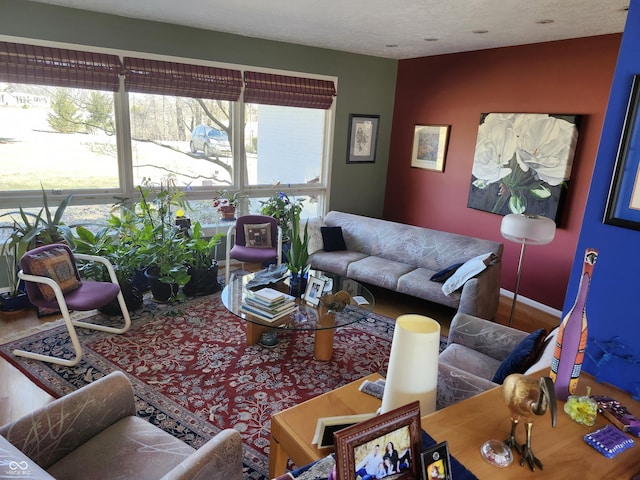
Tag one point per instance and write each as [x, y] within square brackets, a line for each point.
[613, 304]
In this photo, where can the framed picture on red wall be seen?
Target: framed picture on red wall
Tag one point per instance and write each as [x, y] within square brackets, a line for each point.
[430, 147]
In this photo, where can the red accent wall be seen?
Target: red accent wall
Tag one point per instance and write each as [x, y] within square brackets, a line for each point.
[572, 77]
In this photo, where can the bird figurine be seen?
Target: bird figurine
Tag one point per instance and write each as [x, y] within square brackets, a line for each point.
[336, 301]
[525, 398]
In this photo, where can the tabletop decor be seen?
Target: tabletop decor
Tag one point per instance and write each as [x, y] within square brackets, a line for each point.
[430, 146]
[363, 136]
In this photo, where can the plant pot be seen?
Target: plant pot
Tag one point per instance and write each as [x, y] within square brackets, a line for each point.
[132, 297]
[9, 303]
[228, 213]
[297, 284]
[161, 291]
[204, 281]
[140, 280]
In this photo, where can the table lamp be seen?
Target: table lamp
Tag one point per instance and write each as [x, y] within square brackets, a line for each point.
[527, 230]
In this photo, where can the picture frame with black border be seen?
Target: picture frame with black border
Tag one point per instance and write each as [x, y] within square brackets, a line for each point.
[363, 442]
[363, 138]
[312, 294]
[435, 462]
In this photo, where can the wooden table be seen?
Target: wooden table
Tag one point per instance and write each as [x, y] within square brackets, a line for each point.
[468, 424]
[292, 430]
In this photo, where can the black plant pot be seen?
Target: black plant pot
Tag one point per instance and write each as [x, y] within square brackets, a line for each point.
[161, 291]
[140, 280]
[297, 284]
[10, 303]
[132, 297]
[203, 281]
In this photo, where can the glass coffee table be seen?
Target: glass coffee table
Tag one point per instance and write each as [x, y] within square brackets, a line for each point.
[317, 319]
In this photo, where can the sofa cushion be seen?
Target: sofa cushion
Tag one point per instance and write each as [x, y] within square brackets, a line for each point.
[469, 360]
[332, 239]
[314, 226]
[108, 454]
[378, 271]
[416, 283]
[445, 273]
[257, 235]
[545, 357]
[521, 357]
[335, 262]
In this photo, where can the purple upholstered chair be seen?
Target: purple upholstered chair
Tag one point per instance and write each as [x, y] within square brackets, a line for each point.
[52, 280]
[257, 239]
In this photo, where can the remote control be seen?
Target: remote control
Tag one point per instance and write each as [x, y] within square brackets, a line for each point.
[375, 389]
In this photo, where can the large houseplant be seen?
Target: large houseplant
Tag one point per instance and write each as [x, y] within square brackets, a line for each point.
[283, 209]
[298, 256]
[202, 265]
[12, 251]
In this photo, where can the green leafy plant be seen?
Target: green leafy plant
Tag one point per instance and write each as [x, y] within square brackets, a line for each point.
[283, 209]
[200, 250]
[13, 248]
[298, 254]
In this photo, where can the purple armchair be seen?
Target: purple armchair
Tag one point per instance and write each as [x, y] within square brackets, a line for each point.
[257, 239]
[52, 280]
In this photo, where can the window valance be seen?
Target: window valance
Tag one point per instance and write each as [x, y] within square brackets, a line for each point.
[273, 89]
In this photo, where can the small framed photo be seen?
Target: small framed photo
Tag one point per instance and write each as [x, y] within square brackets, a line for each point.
[385, 446]
[363, 137]
[436, 463]
[315, 286]
[430, 147]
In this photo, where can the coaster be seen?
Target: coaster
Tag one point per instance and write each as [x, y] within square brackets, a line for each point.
[609, 441]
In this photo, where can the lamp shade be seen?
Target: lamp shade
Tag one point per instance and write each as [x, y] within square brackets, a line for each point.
[530, 229]
[412, 373]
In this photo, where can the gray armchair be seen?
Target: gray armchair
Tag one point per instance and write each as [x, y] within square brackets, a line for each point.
[475, 349]
[94, 433]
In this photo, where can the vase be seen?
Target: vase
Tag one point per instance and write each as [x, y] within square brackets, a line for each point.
[228, 212]
[297, 284]
[572, 336]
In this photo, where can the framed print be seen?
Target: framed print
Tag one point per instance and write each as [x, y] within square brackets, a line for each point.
[436, 463]
[385, 446]
[623, 204]
[430, 147]
[363, 136]
[315, 286]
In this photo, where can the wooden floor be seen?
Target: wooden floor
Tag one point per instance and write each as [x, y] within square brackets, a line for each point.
[18, 395]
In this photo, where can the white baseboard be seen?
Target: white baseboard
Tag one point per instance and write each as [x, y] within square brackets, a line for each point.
[533, 303]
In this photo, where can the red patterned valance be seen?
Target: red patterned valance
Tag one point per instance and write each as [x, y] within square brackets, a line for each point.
[58, 67]
[181, 79]
[272, 89]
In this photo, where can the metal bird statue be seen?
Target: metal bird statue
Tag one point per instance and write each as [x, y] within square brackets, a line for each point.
[525, 398]
[337, 301]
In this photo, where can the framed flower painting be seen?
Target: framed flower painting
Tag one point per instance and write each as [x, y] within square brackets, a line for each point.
[522, 163]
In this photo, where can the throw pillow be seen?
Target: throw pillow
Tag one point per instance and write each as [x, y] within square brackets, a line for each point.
[468, 270]
[522, 356]
[57, 265]
[257, 235]
[445, 273]
[332, 239]
[315, 235]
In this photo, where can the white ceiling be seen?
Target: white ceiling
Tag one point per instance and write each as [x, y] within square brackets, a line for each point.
[383, 28]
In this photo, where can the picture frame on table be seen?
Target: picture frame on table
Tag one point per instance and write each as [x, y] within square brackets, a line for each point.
[363, 138]
[436, 462]
[623, 203]
[430, 147]
[315, 287]
[365, 443]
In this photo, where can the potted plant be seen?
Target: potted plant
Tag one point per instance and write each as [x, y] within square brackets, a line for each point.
[283, 209]
[298, 256]
[202, 265]
[12, 251]
[226, 203]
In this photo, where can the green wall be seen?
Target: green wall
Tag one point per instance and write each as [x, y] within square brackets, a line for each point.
[366, 84]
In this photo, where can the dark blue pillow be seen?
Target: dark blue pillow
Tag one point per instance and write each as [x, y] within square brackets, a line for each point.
[332, 239]
[444, 274]
[522, 356]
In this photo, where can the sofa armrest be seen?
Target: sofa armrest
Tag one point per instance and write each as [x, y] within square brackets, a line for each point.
[485, 336]
[15, 464]
[218, 459]
[481, 295]
[455, 385]
[51, 432]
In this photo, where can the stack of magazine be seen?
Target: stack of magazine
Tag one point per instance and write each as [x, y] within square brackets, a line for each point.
[268, 304]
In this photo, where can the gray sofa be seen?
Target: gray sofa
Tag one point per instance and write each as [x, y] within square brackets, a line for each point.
[95, 433]
[403, 258]
[475, 349]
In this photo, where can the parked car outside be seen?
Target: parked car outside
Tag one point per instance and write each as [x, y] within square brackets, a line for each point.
[210, 141]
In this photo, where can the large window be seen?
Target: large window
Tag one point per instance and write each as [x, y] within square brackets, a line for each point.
[135, 121]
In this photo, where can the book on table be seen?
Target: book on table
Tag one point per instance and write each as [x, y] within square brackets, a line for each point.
[268, 295]
[327, 426]
[266, 315]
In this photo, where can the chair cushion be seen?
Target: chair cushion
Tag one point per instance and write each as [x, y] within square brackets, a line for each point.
[57, 265]
[257, 235]
[332, 239]
[522, 356]
[130, 448]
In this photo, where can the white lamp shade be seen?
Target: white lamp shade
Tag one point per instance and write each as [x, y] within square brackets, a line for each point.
[531, 229]
[412, 373]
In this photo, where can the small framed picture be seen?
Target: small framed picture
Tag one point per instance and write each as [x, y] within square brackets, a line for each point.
[363, 137]
[315, 286]
[430, 147]
[436, 463]
[385, 446]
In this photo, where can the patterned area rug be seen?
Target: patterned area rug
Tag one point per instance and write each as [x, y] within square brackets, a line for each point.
[193, 373]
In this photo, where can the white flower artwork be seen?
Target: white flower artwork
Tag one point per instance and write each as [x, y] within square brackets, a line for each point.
[522, 163]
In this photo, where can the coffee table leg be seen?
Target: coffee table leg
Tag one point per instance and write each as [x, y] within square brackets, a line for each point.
[278, 458]
[323, 349]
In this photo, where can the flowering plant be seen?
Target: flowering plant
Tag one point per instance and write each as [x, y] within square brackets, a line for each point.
[526, 155]
[226, 200]
[283, 209]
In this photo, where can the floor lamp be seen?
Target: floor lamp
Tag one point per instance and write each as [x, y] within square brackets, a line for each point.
[527, 230]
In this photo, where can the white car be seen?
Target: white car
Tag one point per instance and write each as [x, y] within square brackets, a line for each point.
[210, 141]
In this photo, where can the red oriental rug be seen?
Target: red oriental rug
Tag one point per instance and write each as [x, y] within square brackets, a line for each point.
[193, 373]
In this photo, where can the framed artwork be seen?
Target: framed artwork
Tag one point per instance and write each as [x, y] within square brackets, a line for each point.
[315, 287]
[522, 163]
[436, 462]
[623, 204]
[430, 147]
[363, 137]
[386, 445]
